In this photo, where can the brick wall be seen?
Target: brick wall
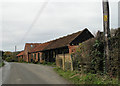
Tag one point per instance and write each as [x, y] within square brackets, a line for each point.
[72, 49]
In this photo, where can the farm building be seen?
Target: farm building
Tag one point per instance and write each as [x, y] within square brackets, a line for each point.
[37, 54]
[20, 55]
[28, 48]
[58, 50]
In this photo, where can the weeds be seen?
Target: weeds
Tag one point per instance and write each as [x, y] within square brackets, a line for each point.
[77, 78]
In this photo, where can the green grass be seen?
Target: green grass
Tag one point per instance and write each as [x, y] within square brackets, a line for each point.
[78, 78]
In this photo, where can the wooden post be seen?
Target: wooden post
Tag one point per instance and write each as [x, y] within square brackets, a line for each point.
[48, 57]
[71, 62]
[63, 60]
[56, 57]
[106, 34]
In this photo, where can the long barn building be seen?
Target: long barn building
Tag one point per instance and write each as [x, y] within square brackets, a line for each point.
[56, 49]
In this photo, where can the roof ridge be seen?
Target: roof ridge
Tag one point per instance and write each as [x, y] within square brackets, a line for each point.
[63, 37]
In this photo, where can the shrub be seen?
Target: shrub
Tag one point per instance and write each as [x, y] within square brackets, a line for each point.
[9, 59]
[114, 52]
[82, 57]
[3, 63]
[89, 56]
[97, 54]
[87, 79]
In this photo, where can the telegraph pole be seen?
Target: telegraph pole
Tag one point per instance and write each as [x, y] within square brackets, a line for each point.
[106, 26]
[15, 53]
[15, 48]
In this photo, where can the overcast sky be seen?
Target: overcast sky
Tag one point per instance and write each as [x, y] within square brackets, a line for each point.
[52, 19]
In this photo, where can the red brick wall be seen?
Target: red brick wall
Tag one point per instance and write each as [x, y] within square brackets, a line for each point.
[41, 60]
[20, 57]
[36, 57]
[30, 57]
[72, 49]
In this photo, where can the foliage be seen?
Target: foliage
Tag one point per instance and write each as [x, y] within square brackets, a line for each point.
[97, 54]
[6, 54]
[10, 54]
[1, 54]
[89, 57]
[114, 52]
[9, 59]
[78, 78]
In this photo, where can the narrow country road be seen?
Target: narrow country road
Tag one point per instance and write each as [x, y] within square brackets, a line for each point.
[23, 73]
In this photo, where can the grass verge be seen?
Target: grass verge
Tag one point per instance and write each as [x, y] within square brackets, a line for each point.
[77, 78]
[49, 64]
[2, 64]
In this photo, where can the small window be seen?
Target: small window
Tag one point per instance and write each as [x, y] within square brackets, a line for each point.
[73, 50]
[31, 45]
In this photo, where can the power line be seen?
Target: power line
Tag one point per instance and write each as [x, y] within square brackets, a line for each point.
[35, 20]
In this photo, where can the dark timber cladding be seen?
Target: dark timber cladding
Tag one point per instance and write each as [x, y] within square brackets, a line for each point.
[64, 44]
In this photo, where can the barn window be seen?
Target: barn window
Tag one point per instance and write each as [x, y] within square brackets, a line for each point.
[31, 45]
[73, 50]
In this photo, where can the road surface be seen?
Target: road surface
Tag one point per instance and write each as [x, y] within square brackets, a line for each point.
[23, 73]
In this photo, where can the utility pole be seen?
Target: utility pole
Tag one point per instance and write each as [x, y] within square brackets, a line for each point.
[15, 48]
[15, 53]
[106, 26]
